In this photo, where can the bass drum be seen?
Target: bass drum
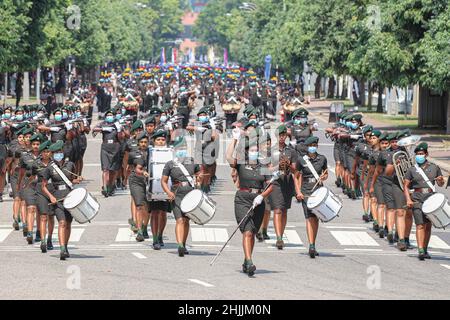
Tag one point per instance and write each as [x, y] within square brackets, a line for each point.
[198, 207]
[437, 209]
[324, 204]
[82, 206]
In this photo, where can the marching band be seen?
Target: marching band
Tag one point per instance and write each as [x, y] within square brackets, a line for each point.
[145, 149]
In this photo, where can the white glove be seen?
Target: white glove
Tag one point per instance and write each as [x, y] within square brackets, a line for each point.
[316, 126]
[107, 129]
[258, 200]
[118, 127]
[236, 134]
[55, 129]
[169, 126]
[201, 129]
[213, 125]
[354, 137]
[68, 125]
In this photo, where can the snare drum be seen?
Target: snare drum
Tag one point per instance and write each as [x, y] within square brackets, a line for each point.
[157, 159]
[324, 204]
[198, 207]
[437, 209]
[81, 205]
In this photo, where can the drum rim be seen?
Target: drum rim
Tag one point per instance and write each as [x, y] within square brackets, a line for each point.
[184, 200]
[326, 196]
[440, 206]
[84, 198]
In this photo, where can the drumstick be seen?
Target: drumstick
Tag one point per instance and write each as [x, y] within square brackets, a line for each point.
[51, 204]
[318, 181]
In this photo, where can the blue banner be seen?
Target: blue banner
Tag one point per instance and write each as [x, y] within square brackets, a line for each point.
[268, 62]
[163, 56]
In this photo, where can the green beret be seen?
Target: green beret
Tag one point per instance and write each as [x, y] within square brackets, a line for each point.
[150, 119]
[57, 146]
[282, 129]
[203, 110]
[421, 147]
[37, 137]
[376, 133]
[160, 133]
[250, 124]
[155, 111]
[27, 131]
[392, 136]
[139, 162]
[403, 134]
[142, 135]
[302, 112]
[311, 140]
[343, 114]
[166, 107]
[111, 111]
[384, 136]
[45, 145]
[249, 109]
[356, 117]
[179, 142]
[19, 109]
[348, 117]
[57, 110]
[367, 129]
[136, 125]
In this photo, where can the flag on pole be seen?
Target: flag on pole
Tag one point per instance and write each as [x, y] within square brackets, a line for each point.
[268, 63]
[163, 56]
[225, 57]
[211, 57]
[173, 56]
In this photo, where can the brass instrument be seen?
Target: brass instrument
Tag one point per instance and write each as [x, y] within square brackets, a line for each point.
[402, 160]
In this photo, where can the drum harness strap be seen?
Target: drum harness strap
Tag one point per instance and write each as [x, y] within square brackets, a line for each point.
[311, 168]
[185, 172]
[424, 176]
[62, 175]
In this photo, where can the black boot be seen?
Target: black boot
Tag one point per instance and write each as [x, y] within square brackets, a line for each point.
[38, 236]
[43, 247]
[49, 244]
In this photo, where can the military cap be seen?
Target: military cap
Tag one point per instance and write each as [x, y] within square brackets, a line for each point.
[110, 111]
[384, 136]
[19, 109]
[57, 110]
[45, 145]
[179, 142]
[57, 146]
[160, 133]
[37, 137]
[376, 133]
[302, 112]
[155, 111]
[250, 123]
[150, 119]
[139, 162]
[421, 147]
[356, 117]
[203, 110]
[141, 136]
[403, 134]
[166, 107]
[136, 125]
[26, 131]
[311, 140]
[282, 129]
[392, 136]
[366, 129]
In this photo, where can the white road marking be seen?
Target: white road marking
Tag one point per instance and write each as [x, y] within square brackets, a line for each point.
[126, 235]
[139, 255]
[75, 235]
[202, 283]
[209, 234]
[92, 165]
[446, 266]
[354, 238]
[363, 250]
[4, 233]
[339, 227]
[435, 242]
[289, 237]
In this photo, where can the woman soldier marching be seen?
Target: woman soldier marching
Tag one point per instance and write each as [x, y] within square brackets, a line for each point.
[181, 186]
[27, 178]
[283, 189]
[304, 187]
[253, 177]
[138, 185]
[43, 204]
[301, 129]
[57, 191]
[158, 209]
[110, 151]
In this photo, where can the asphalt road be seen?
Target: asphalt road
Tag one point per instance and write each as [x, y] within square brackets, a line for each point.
[107, 263]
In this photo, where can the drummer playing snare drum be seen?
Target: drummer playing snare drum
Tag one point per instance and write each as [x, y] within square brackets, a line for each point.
[306, 183]
[422, 191]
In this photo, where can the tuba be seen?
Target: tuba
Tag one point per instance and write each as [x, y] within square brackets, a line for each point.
[402, 160]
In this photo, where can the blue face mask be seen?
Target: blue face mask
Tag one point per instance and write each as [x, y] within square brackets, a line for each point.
[19, 117]
[348, 124]
[203, 119]
[65, 115]
[58, 156]
[303, 120]
[420, 159]
[118, 116]
[297, 122]
[181, 154]
[110, 119]
[354, 126]
[163, 119]
[7, 116]
[253, 156]
[312, 150]
[124, 111]
[77, 114]
[58, 117]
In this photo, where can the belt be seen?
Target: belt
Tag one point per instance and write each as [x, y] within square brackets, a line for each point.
[181, 184]
[310, 180]
[423, 190]
[250, 190]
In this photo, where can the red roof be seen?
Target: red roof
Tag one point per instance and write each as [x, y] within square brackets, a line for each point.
[189, 18]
